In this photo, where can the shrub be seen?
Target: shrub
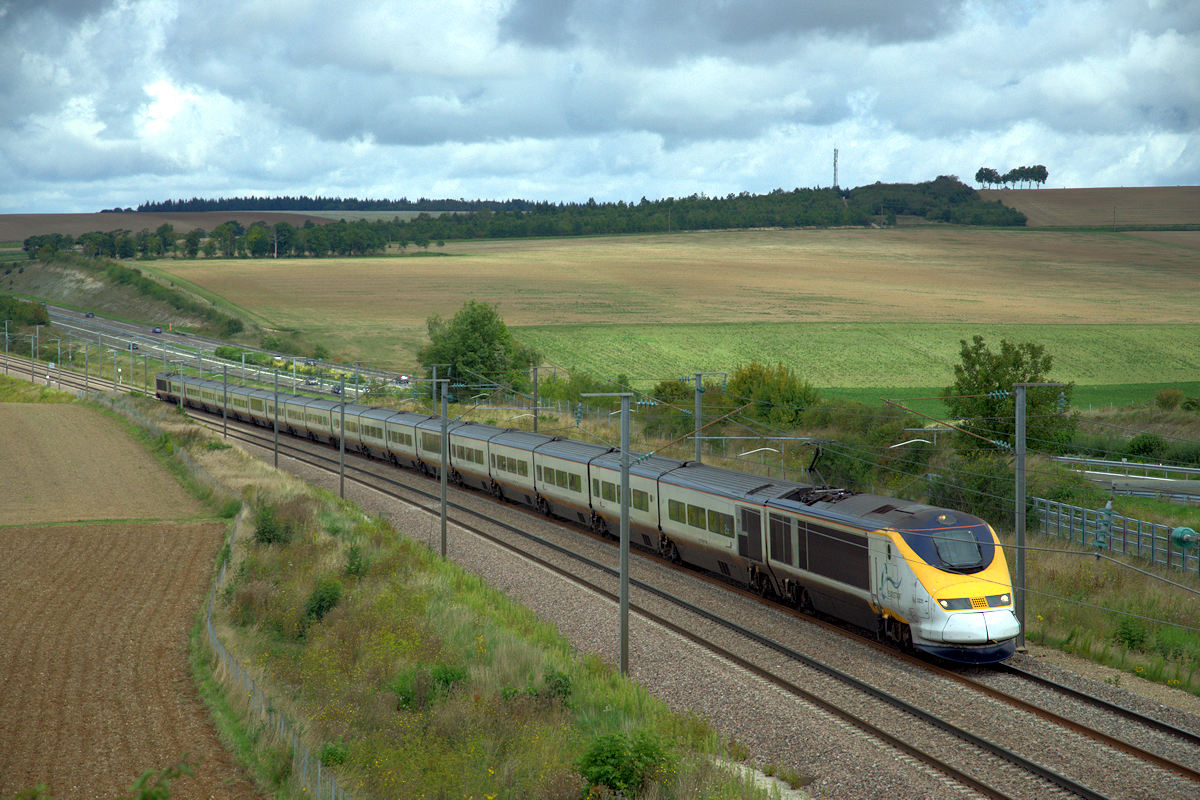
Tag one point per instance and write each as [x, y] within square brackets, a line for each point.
[1147, 445]
[333, 754]
[1131, 633]
[325, 595]
[269, 529]
[1168, 399]
[356, 562]
[625, 764]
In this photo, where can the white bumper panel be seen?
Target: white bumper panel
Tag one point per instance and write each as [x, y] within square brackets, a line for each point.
[1001, 624]
[981, 627]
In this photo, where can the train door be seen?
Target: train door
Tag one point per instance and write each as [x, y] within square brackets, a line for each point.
[887, 576]
[750, 534]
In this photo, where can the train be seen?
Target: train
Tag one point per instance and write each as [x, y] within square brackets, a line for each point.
[929, 579]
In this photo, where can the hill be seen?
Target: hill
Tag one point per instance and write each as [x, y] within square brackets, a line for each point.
[1139, 205]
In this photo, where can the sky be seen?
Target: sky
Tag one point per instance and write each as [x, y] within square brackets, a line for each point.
[111, 103]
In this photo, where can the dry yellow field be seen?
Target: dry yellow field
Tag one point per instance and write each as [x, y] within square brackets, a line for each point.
[914, 276]
[1149, 205]
[65, 463]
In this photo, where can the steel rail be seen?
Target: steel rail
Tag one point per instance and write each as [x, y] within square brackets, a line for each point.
[1045, 773]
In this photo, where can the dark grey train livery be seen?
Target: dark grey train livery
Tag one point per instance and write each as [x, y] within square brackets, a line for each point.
[928, 578]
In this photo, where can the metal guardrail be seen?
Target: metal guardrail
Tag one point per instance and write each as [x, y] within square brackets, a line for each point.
[1126, 535]
[1135, 469]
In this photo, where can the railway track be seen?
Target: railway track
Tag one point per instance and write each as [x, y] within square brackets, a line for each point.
[988, 766]
[978, 758]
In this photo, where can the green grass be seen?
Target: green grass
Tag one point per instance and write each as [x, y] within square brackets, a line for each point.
[1084, 397]
[861, 355]
[1106, 612]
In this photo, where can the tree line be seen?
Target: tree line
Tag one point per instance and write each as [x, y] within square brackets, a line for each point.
[318, 203]
[986, 176]
[945, 199]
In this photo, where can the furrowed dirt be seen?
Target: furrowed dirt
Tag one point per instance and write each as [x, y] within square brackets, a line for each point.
[95, 687]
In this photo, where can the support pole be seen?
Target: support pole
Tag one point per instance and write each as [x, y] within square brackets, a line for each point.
[535, 399]
[342, 447]
[624, 566]
[1019, 397]
[225, 406]
[276, 426]
[1019, 510]
[445, 388]
[698, 412]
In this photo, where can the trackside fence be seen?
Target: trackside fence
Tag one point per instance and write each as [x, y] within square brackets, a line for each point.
[1125, 535]
[308, 775]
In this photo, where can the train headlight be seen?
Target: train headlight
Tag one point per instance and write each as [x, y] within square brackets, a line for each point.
[955, 604]
[998, 600]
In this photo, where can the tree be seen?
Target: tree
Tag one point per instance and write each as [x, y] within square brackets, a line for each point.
[478, 346]
[777, 395]
[191, 242]
[981, 397]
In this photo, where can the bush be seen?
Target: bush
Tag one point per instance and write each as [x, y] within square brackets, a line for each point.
[624, 764]
[1147, 445]
[1168, 399]
[356, 562]
[1131, 633]
[269, 529]
[333, 754]
[325, 595]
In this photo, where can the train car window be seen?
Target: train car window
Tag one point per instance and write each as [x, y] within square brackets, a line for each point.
[697, 517]
[720, 523]
[677, 511]
[539, 472]
[576, 483]
[950, 540]
[609, 491]
[781, 539]
[431, 442]
[837, 554]
[639, 500]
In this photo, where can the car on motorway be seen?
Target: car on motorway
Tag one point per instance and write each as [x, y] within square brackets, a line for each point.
[156, 329]
[90, 314]
[133, 345]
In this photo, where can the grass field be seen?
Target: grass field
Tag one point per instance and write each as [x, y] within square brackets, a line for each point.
[845, 308]
[1151, 205]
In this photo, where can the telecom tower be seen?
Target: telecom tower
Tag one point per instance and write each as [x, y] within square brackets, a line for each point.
[835, 183]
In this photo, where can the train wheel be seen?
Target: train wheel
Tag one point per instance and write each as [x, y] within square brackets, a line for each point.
[669, 551]
[906, 642]
[497, 490]
[806, 603]
[543, 506]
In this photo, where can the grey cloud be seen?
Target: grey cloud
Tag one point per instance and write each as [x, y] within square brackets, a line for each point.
[661, 30]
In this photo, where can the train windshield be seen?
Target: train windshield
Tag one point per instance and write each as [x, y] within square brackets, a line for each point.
[950, 540]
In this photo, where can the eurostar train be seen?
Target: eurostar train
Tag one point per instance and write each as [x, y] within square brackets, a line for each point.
[929, 579]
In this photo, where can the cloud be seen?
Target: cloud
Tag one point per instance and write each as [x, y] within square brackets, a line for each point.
[565, 100]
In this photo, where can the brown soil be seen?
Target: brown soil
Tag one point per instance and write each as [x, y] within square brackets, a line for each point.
[94, 681]
[1146, 205]
[65, 463]
[95, 686]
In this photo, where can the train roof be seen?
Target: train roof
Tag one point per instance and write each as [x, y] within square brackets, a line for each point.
[645, 467]
[737, 485]
[522, 439]
[480, 431]
[571, 450]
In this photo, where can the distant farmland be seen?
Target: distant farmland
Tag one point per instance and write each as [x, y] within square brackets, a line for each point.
[1157, 205]
[844, 307]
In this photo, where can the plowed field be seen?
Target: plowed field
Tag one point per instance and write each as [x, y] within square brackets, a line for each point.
[64, 463]
[94, 616]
